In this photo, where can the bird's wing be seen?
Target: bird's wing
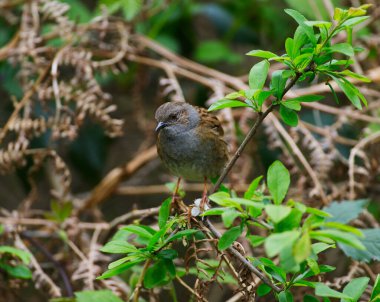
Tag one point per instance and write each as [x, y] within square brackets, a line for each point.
[210, 121]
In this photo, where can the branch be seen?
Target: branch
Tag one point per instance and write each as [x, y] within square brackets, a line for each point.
[238, 152]
[110, 182]
[243, 260]
[57, 265]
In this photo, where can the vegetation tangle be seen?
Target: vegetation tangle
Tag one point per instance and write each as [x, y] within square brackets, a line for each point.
[257, 244]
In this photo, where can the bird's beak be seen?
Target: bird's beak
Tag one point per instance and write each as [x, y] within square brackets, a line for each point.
[160, 126]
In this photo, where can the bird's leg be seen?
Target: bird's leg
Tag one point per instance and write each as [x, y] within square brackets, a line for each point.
[175, 192]
[204, 195]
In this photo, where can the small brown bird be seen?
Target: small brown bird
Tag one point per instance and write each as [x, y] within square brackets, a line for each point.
[190, 142]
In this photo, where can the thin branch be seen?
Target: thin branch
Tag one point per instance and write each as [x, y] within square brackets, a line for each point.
[110, 182]
[238, 152]
[163, 189]
[40, 276]
[351, 160]
[190, 289]
[139, 284]
[24, 101]
[243, 260]
[57, 265]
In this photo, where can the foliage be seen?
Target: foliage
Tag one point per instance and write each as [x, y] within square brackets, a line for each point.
[14, 262]
[308, 54]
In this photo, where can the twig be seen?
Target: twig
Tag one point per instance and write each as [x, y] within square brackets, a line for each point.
[23, 101]
[351, 160]
[40, 276]
[190, 289]
[162, 189]
[58, 266]
[44, 222]
[238, 152]
[133, 214]
[110, 182]
[138, 287]
[243, 260]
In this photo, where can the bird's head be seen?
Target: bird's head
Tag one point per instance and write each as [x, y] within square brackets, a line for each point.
[176, 117]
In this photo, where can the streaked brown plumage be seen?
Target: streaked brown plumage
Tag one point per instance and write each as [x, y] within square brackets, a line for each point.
[190, 141]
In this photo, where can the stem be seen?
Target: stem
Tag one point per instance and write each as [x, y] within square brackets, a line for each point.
[140, 281]
[238, 152]
[253, 130]
[244, 261]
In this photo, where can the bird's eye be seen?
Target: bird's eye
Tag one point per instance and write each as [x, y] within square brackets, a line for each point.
[172, 116]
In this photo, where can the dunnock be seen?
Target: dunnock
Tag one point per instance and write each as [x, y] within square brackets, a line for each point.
[190, 141]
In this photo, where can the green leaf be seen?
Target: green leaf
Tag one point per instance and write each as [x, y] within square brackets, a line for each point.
[354, 21]
[263, 290]
[275, 243]
[294, 105]
[181, 234]
[300, 38]
[352, 93]
[278, 83]
[285, 296]
[324, 24]
[343, 227]
[261, 54]
[340, 237]
[308, 298]
[277, 212]
[131, 8]
[229, 216]
[18, 271]
[261, 96]
[155, 275]
[323, 290]
[258, 75]
[278, 179]
[24, 256]
[229, 237]
[289, 116]
[343, 48]
[371, 241]
[252, 187]
[290, 222]
[345, 211]
[302, 61]
[121, 261]
[119, 269]
[307, 98]
[354, 75]
[376, 289]
[317, 212]
[339, 14]
[138, 230]
[96, 295]
[289, 47]
[221, 198]
[355, 288]
[301, 20]
[118, 247]
[256, 240]
[319, 247]
[234, 95]
[214, 211]
[164, 212]
[302, 248]
[226, 103]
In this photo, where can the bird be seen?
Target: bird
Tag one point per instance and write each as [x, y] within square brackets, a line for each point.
[190, 143]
